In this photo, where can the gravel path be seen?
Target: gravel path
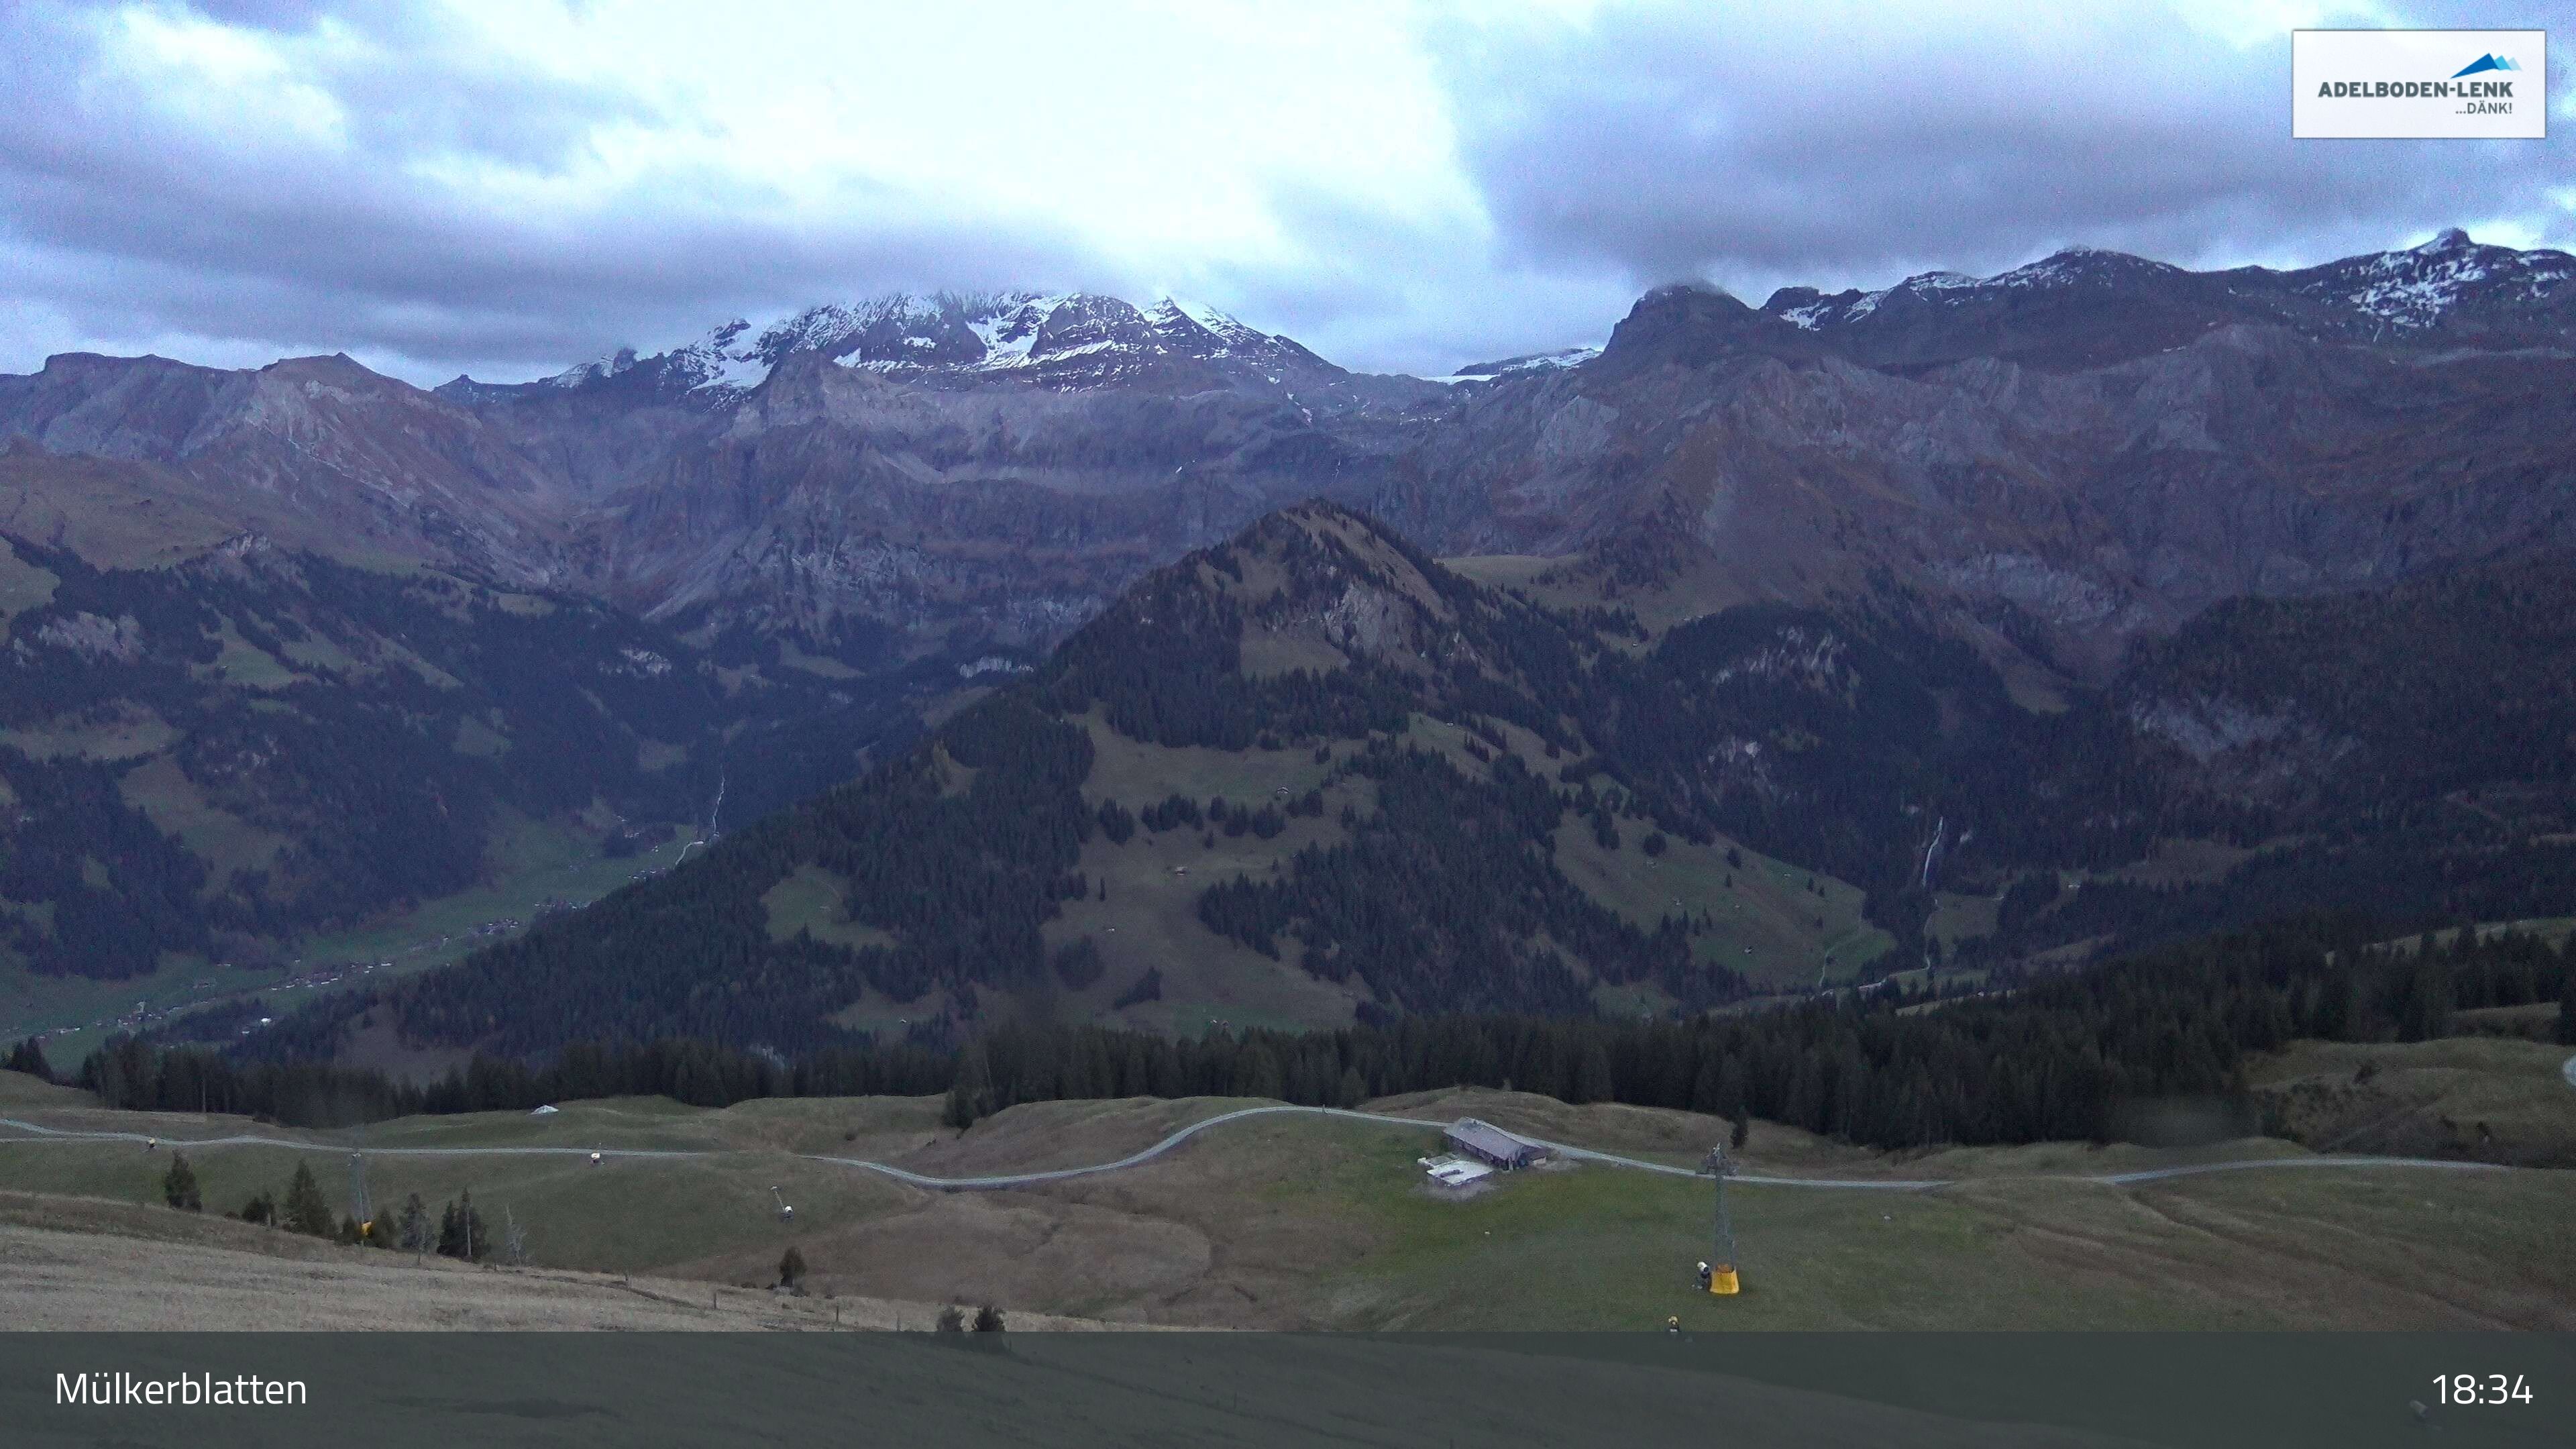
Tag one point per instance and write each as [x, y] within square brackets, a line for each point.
[1136, 1159]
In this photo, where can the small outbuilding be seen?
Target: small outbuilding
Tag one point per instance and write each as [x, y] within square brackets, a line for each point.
[1491, 1144]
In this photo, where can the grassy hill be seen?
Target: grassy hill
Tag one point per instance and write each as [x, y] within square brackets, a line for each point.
[2497, 1099]
[1290, 1222]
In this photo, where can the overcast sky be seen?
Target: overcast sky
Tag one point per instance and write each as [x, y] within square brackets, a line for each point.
[509, 188]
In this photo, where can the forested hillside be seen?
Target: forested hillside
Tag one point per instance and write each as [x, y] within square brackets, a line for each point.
[1418, 875]
[1425, 795]
[2412, 752]
[2085, 1056]
[213, 758]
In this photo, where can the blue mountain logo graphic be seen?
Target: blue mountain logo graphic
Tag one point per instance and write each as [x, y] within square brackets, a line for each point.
[2484, 63]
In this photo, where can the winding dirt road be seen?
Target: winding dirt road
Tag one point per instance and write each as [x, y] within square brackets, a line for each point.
[1003, 1181]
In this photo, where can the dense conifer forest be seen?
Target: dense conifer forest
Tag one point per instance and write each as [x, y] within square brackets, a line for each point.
[2061, 1057]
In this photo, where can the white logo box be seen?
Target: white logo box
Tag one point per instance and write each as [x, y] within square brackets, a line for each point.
[2419, 84]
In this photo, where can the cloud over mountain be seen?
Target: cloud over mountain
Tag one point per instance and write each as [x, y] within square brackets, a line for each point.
[437, 190]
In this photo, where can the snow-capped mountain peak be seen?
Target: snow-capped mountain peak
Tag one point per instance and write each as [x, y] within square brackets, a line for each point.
[2418, 287]
[1533, 362]
[2377, 294]
[601, 368]
[1220, 325]
[2071, 266]
[1073, 338]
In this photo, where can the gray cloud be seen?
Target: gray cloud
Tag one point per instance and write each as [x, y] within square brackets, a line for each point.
[1840, 145]
[1843, 146]
[134, 225]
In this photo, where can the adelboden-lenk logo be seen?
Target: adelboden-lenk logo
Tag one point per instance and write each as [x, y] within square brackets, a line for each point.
[2485, 62]
[2434, 84]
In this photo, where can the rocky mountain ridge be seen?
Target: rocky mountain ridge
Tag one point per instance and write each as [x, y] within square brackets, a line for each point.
[1061, 339]
[2450, 291]
[2077, 452]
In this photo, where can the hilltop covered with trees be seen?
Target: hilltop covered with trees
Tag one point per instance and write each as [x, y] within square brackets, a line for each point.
[1864, 741]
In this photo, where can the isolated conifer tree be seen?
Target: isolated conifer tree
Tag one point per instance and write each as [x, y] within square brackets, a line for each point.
[791, 1266]
[413, 1232]
[179, 1185]
[952, 1319]
[306, 1212]
[1743, 1129]
[988, 1319]
[972, 1095]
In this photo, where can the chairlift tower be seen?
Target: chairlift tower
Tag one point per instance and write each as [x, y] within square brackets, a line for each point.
[1718, 1275]
[786, 1214]
[361, 1207]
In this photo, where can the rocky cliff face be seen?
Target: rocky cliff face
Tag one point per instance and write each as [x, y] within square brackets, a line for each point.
[993, 465]
[2076, 452]
[2084, 449]
[319, 445]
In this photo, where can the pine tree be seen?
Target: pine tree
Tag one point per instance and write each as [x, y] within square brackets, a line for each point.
[179, 1185]
[29, 1056]
[414, 1233]
[791, 1266]
[306, 1211]
[2332, 1019]
[988, 1319]
[1591, 1074]
[1257, 1074]
[2427, 1012]
[972, 1096]
[2567, 1002]
[461, 1233]
[1743, 1129]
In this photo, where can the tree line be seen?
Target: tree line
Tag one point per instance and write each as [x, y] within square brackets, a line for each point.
[2037, 1059]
